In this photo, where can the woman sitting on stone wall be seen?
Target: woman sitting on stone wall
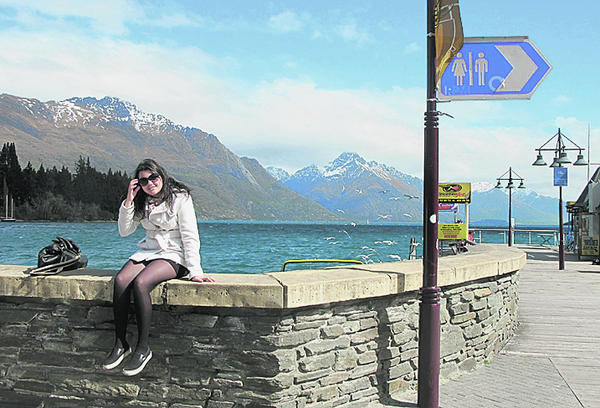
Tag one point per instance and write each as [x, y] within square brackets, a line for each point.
[170, 249]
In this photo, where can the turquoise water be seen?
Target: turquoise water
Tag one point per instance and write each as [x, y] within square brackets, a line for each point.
[230, 247]
[226, 247]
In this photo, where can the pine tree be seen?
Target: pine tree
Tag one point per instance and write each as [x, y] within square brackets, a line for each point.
[28, 177]
[11, 171]
[50, 194]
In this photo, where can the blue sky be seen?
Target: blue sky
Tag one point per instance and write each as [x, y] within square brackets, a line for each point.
[297, 82]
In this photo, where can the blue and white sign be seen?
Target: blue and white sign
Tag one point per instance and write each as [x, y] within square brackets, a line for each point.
[560, 176]
[494, 68]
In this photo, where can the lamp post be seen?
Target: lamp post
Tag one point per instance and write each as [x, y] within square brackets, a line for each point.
[510, 185]
[560, 158]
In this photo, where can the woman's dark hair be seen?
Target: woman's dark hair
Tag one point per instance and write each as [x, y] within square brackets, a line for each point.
[166, 194]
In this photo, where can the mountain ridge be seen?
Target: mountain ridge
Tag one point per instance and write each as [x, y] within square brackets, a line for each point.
[488, 203]
[117, 135]
[357, 189]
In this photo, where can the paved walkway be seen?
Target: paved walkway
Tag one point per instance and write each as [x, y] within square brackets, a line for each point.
[554, 358]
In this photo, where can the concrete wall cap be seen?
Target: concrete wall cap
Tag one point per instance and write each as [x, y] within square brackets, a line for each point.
[278, 290]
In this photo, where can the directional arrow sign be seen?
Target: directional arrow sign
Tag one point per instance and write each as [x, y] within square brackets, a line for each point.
[494, 68]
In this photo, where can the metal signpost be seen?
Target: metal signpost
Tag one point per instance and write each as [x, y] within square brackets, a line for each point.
[477, 69]
[488, 68]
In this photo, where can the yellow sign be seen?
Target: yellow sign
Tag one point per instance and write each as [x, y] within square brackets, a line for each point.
[455, 192]
[589, 246]
[452, 231]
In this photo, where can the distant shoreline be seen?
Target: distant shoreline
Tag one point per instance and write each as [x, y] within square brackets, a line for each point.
[358, 224]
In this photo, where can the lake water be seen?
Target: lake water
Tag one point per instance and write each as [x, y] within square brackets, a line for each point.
[226, 247]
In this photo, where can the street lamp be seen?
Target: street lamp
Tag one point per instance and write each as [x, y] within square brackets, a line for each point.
[510, 185]
[560, 178]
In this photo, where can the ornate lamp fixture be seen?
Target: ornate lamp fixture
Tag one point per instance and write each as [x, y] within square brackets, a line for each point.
[512, 175]
[560, 158]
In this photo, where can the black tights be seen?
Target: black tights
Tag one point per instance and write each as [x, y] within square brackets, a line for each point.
[139, 279]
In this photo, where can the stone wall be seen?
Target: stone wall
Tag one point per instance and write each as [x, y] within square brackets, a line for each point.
[343, 353]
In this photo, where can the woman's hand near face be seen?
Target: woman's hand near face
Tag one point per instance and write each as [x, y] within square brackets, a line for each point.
[132, 190]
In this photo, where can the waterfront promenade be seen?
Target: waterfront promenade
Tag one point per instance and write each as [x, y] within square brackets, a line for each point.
[554, 358]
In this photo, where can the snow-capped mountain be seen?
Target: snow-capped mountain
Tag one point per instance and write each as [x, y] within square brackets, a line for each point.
[481, 187]
[359, 190]
[98, 112]
[278, 174]
[116, 134]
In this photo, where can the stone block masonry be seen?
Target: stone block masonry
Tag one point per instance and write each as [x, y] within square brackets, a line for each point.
[344, 352]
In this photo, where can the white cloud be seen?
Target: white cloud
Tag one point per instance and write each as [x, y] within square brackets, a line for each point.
[286, 21]
[282, 122]
[561, 100]
[155, 78]
[412, 48]
[303, 123]
[485, 153]
[351, 32]
[106, 16]
[287, 123]
[177, 19]
[574, 128]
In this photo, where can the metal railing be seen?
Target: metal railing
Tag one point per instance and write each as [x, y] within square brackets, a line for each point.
[520, 236]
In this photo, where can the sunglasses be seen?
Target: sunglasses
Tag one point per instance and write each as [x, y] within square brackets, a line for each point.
[143, 181]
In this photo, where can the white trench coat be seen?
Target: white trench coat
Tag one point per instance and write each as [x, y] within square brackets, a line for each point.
[171, 233]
